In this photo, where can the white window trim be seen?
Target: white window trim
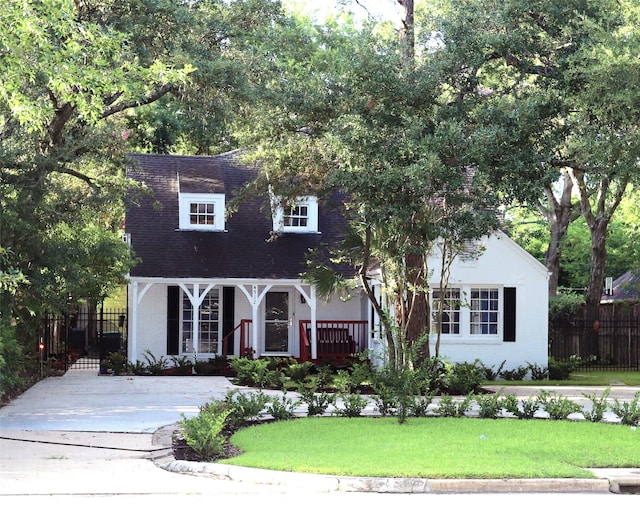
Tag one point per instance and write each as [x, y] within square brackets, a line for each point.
[465, 316]
[188, 198]
[310, 202]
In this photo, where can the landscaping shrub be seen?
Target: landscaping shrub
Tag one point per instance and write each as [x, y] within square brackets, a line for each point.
[447, 406]
[419, 407]
[489, 372]
[538, 372]
[12, 363]
[558, 407]
[317, 403]
[261, 373]
[282, 408]
[298, 372]
[352, 405]
[244, 407]
[491, 405]
[462, 379]
[204, 432]
[598, 406]
[561, 370]
[396, 390]
[628, 412]
[518, 373]
[154, 366]
[526, 410]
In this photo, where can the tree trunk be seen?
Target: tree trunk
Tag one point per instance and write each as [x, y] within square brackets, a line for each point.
[560, 213]
[610, 190]
[407, 30]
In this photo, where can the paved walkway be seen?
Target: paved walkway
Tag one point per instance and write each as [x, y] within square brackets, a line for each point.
[83, 417]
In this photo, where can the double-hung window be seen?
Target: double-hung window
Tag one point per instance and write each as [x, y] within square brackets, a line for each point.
[449, 299]
[487, 313]
[204, 212]
[484, 308]
[299, 216]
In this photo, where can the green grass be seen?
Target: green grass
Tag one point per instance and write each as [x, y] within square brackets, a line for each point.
[438, 447]
[582, 378]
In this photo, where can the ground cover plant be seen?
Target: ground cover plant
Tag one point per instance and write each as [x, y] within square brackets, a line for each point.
[440, 447]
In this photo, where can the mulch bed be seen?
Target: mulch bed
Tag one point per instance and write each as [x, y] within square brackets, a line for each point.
[182, 451]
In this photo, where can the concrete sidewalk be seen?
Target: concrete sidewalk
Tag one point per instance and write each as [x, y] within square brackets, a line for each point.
[83, 417]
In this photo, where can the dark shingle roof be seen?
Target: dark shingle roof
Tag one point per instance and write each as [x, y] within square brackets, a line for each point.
[244, 250]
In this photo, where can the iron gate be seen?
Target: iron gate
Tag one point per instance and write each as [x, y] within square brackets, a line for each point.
[80, 340]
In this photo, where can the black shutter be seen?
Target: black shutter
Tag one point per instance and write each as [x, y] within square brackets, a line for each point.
[509, 326]
[228, 317]
[173, 320]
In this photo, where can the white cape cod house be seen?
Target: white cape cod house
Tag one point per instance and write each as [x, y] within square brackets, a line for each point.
[209, 284]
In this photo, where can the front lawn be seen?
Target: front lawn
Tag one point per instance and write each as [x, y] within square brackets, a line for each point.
[441, 447]
[582, 378]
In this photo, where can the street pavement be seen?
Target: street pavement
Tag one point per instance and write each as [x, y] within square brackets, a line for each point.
[89, 434]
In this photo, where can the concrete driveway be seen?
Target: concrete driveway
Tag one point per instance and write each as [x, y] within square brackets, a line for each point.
[83, 401]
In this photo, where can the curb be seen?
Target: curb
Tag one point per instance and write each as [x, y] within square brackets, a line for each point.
[328, 483]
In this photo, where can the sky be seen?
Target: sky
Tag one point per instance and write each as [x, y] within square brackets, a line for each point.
[383, 9]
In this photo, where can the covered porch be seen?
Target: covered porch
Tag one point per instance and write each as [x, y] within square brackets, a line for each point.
[205, 318]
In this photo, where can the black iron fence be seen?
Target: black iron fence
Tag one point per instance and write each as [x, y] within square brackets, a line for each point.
[81, 340]
[606, 344]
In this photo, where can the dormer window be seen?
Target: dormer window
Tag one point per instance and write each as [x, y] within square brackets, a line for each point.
[300, 216]
[204, 212]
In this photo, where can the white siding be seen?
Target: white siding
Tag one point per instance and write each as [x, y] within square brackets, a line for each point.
[502, 264]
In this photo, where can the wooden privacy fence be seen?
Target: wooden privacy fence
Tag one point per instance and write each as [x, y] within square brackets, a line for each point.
[612, 342]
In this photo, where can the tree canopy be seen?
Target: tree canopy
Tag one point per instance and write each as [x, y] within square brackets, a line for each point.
[78, 77]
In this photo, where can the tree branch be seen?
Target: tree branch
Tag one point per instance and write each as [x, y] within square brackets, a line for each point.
[120, 107]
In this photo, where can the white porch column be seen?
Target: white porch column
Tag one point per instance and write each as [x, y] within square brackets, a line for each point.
[196, 299]
[136, 298]
[312, 301]
[255, 299]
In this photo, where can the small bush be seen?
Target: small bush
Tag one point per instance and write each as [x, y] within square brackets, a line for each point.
[518, 373]
[419, 407]
[282, 408]
[490, 373]
[298, 372]
[558, 407]
[154, 366]
[182, 365]
[524, 411]
[562, 370]
[352, 405]
[317, 403]
[628, 412]
[245, 407]
[462, 379]
[599, 406]
[447, 406]
[138, 368]
[396, 390]
[491, 405]
[538, 372]
[119, 363]
[324, 375]
[260, 373]
[204, 432]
